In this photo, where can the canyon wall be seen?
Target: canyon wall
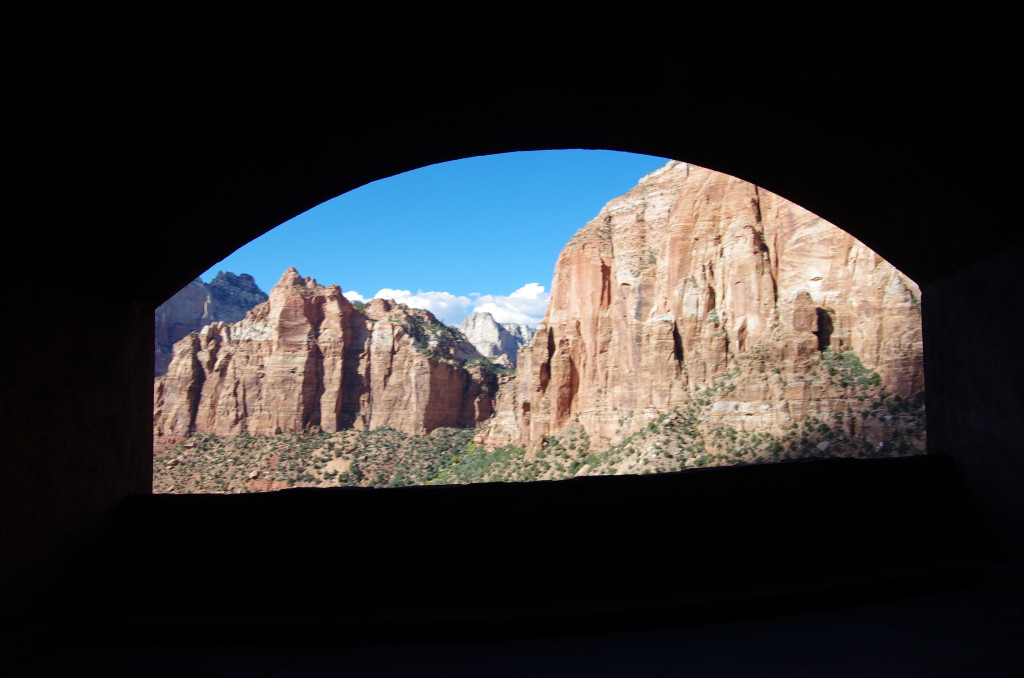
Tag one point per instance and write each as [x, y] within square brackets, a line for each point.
[307, 358]
[498, 341]
[693, 277]
[226, 298]
[697, 320]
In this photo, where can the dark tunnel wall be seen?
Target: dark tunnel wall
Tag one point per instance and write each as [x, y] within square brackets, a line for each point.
[975, 387]
[151, 143]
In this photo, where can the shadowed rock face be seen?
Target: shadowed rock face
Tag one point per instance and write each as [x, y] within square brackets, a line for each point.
[499, 341]
[694, 274]
[227, 298]
[307, 358]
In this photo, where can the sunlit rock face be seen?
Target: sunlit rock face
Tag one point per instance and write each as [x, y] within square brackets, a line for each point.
[697, 320]
[499, 341]
[226, 298]
[695, 276]
[307, 358]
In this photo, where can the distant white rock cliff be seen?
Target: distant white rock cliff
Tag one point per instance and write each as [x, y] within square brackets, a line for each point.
[498, 341]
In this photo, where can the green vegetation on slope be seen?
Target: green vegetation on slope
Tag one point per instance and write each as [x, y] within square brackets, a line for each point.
[434, 339]
[881, 424]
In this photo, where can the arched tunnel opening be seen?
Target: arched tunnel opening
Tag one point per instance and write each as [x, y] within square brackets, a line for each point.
[210, 157]
[323, 386]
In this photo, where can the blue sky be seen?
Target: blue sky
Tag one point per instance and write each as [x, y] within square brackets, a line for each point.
[481, 233]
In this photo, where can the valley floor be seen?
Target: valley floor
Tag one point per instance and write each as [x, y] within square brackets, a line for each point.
[385, 457]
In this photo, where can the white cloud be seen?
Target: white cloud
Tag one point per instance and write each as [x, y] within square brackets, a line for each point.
[526, 305]
[449, 308]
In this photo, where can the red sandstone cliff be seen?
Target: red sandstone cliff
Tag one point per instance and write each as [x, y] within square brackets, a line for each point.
[308, 358]
[693, 275]
[717, 321]
[226, 298]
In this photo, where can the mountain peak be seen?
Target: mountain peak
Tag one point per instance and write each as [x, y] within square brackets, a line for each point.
[290, 278]
[498, 341]
[226, 298]
[476, 318]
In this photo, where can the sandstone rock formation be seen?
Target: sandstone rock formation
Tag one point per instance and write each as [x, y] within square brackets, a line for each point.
[697, 320]
[693, 275]
[227, 298]
[499, 341]
[307, 358]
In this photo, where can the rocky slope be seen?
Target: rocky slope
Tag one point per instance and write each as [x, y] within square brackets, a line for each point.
[696, 286]
[227, 298]
[307, 359]
[499, 341]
